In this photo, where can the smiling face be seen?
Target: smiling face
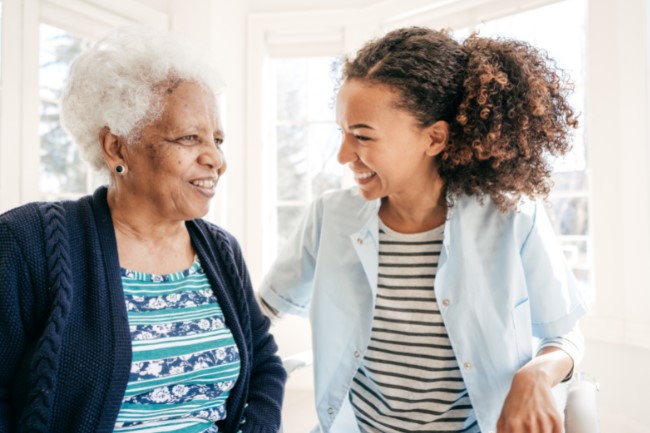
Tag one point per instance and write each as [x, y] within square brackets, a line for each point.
[384, 146]
[173, 169]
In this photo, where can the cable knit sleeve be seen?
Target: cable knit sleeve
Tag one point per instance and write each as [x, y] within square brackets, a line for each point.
[23, 306]
[13, 276]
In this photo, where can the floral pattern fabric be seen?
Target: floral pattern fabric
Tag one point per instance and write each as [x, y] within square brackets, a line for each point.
[185, 360]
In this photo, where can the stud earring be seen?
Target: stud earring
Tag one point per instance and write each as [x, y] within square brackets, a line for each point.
[120, 169]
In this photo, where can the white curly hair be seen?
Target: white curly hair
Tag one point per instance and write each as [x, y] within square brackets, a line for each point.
[116, 84]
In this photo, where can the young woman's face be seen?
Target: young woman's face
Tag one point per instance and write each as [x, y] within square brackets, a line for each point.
[175, 166]
[383, 145]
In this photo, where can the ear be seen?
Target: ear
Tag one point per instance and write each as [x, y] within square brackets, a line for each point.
[113, 148]
[438, 137]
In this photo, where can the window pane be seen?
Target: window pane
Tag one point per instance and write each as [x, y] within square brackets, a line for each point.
[62, 172]
[292, 94]
[322, 77]
[569, 181]
[306, 138]
[292, 162]
[324, 141]
[288, 219]
[570, 215]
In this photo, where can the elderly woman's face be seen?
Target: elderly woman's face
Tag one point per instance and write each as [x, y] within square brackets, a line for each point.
[177, 163]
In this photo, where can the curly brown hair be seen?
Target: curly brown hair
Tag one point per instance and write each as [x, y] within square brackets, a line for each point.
[505, 102]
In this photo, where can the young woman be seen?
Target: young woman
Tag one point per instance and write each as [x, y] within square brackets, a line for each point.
[429, 280]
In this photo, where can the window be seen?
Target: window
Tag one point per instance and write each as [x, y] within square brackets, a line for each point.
[62, 172]
[305, 140]
[570, 196]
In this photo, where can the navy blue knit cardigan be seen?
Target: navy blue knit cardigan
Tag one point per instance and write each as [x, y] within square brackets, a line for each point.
[65, 346]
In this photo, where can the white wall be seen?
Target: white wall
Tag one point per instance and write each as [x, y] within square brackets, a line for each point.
[618, 331]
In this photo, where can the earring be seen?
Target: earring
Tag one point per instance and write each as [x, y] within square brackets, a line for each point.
[120, 169]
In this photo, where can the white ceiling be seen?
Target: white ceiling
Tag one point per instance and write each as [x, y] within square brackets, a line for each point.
[278, 5]
[301, 5]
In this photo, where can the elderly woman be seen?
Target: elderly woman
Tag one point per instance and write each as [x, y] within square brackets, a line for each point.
[124, 311]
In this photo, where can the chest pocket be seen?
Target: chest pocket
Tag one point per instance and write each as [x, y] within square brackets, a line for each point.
[523, 330]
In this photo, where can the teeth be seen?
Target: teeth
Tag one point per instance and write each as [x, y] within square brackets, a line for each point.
[204, 183]
[364, 175]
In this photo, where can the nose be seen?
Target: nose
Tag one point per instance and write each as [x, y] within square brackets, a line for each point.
[214, 158]
[346, 153]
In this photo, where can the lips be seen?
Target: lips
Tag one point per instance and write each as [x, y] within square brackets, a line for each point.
[364, 175]
[207, 183]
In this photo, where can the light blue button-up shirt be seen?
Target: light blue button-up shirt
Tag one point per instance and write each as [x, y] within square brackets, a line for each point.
[502, 279]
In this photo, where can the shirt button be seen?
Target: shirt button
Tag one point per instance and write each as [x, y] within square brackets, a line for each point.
[467, 365]
[360, 241]
[330, 411]
[446, 302]
[357, 354]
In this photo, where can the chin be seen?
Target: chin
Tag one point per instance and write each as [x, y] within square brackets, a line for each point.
[196, 214]
[369, 195]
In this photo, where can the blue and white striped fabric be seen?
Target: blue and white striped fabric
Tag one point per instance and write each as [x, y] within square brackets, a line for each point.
[185, 360]
[409, 380]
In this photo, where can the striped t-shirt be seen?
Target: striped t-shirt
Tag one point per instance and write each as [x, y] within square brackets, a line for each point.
[409, 380]
[185, 360]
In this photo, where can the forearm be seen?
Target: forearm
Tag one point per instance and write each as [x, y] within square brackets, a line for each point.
[267, 309]
[529, 406]
[551, 366]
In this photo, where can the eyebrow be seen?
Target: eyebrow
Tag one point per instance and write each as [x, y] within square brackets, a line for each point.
[360, 125]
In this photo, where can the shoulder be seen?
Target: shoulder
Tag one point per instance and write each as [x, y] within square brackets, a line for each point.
[215, 234]
[482, 214]
[22, 224]
[346, 203]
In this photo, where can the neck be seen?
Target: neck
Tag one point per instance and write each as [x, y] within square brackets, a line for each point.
[416, 210]
[133, 219]
[146, 242]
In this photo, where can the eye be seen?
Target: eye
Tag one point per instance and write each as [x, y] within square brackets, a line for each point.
[361, 137]
[218, 141]
[189, 139]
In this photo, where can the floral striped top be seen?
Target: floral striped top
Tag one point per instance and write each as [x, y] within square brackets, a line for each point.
[185, 360]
